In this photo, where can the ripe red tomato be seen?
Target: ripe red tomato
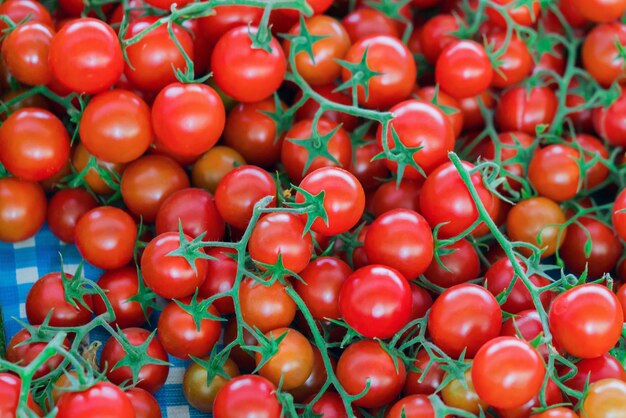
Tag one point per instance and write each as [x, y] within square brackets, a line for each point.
[151, 376]
[369, 173]
[330, 405]
[188, 119]
[85, 56]
[105, 237]
[599, 11]
[145, 405]
[463, 69]
[344, 199]
[48, 295]
[436, 34]
[414, 406]
[600, 56]
[618, 215]
[220, 277]
[393, 60]
[507, 372]
[554, 172]
[280, 235]
[153, 59]
[516, 63]
[64, 210]
[25, 53]
[171, 276]
[553, 396]
[22, 209]
[120, 285]
[419, 124]
[245, 73]
[591, 146]
[558, 412]
[459, 266]
[102, 399]
[295, 155]
[266, 307]
[365, 22]
[28, 10]
[472, 115]
[240, 190]
[454, 113]
[376, 301]
[180, 336]
[586, 321]
[148, 181]
[400, 239]
[458, 210]
[196, 211]
[391, 195]
[227, 18]
[510, 144]
[522, 110]
[527, 326]
[609, 123]
[34, 144]
[464, 317]
[365, 361]
[246, 396]
[593, 369]
[522, 15]
[116, 127]
[18, 351]
[427, 385]
[10, 392]
[323, 278]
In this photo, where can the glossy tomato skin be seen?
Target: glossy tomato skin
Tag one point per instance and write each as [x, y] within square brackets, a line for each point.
[600, 54]
[246, 396]
[558, 412]
[609, 122]
[389, 56]
[145, 405]
[18, 351]
[586, 321]
[48, 294]
[85, 56]
[459, 266]
[120, 285]
[227, 18]
[593, 369]
[64, 210]
[534, 217]
[293, 362]
[465, 316]
[454, 114]
[599, 11]
[364, 360]
[170, 276]
[155, 57]
[213, 165]
[605, 250]
[516, 63]
[391, 195]
[431, 381]
[323, 278]
[196, 210]
[344, 199]
[436, 35]
[554, 172]
[240, 190]
[179, 335]
[605, 398]
[22, 209]
[458, 209]
[220, 277]
[419, 124]
[252, 133]
[102, 399]
[18, 10]
[463, 69]
[244, 73]
[281, 235]
[507, 372]
[365, 22]
[553, 396]
[105, 237]
[329, 405]
[116, 127]
[376, 301]
[151, 377]
[25, 52]
[519, 110]
[34, 144]
[618, 215]
[198, 392]
[266, 307]
[294, 155]
[522, 15]
[10, 392]
[400, 239]
[414, 406]
[188, 119]
[148, 181]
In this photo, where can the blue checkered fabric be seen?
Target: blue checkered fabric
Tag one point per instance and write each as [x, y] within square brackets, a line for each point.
[21, 264]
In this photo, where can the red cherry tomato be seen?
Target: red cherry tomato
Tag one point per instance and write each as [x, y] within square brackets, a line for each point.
[459, 266]
[103, 399]
[22, 209]
[64, 210]
[25, 53]
[246, 396]
[121, 285]
[18, 351]
[463, 69]
[521, 110]
[618, 214]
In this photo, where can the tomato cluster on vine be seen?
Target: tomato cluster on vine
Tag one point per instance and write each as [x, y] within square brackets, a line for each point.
[378, 208]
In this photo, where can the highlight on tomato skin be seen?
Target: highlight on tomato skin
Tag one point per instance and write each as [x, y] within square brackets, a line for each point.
[368, 208]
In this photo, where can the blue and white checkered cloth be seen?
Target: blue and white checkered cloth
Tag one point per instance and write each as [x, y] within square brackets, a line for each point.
[22, 263]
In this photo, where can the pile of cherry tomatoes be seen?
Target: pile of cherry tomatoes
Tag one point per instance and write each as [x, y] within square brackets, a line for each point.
[378, 208]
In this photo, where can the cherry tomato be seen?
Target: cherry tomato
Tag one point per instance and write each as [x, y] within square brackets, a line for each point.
[376, 301]
[515, 61]
[19, 10]
[599, 11]
[198, 392]
[554, 172]
[524, 15]
[145, 405]
[366, 22]
[369, 173]
[25, 52]
[414, 406]
[463, 69]
[393, 60]
[586, 321]
[182, 337]
[64, 210]
[240, 190]
[316, 379]
[266, 307]
[427, 385]
[447, 102]
[593, 369]
[522, 110]
[34, 144]
[344, 199]
[120, 285]
[600, 56]
[419, 124]
[605, 398]
[300, 143]
[436, 34]
[95, 179]
[459, 266]
[472, 115]
[537, 221]
[609, 123]
[558, 412]
[510, 143]
[102, 399]
[246, 396]
[391, 196]
[151, 377]
[245, 73]
[526, 325]
[618, 215]
[85, 56]
[105, 237]
[243, 359]
[464, 317]
[365, 361]
[148, 181]
[220, 277]
[329, 405]
[10, 392]
[464, 397]
[227, 18]
[552, 396]
[211, 167]
[22, 209]
[22, 352]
